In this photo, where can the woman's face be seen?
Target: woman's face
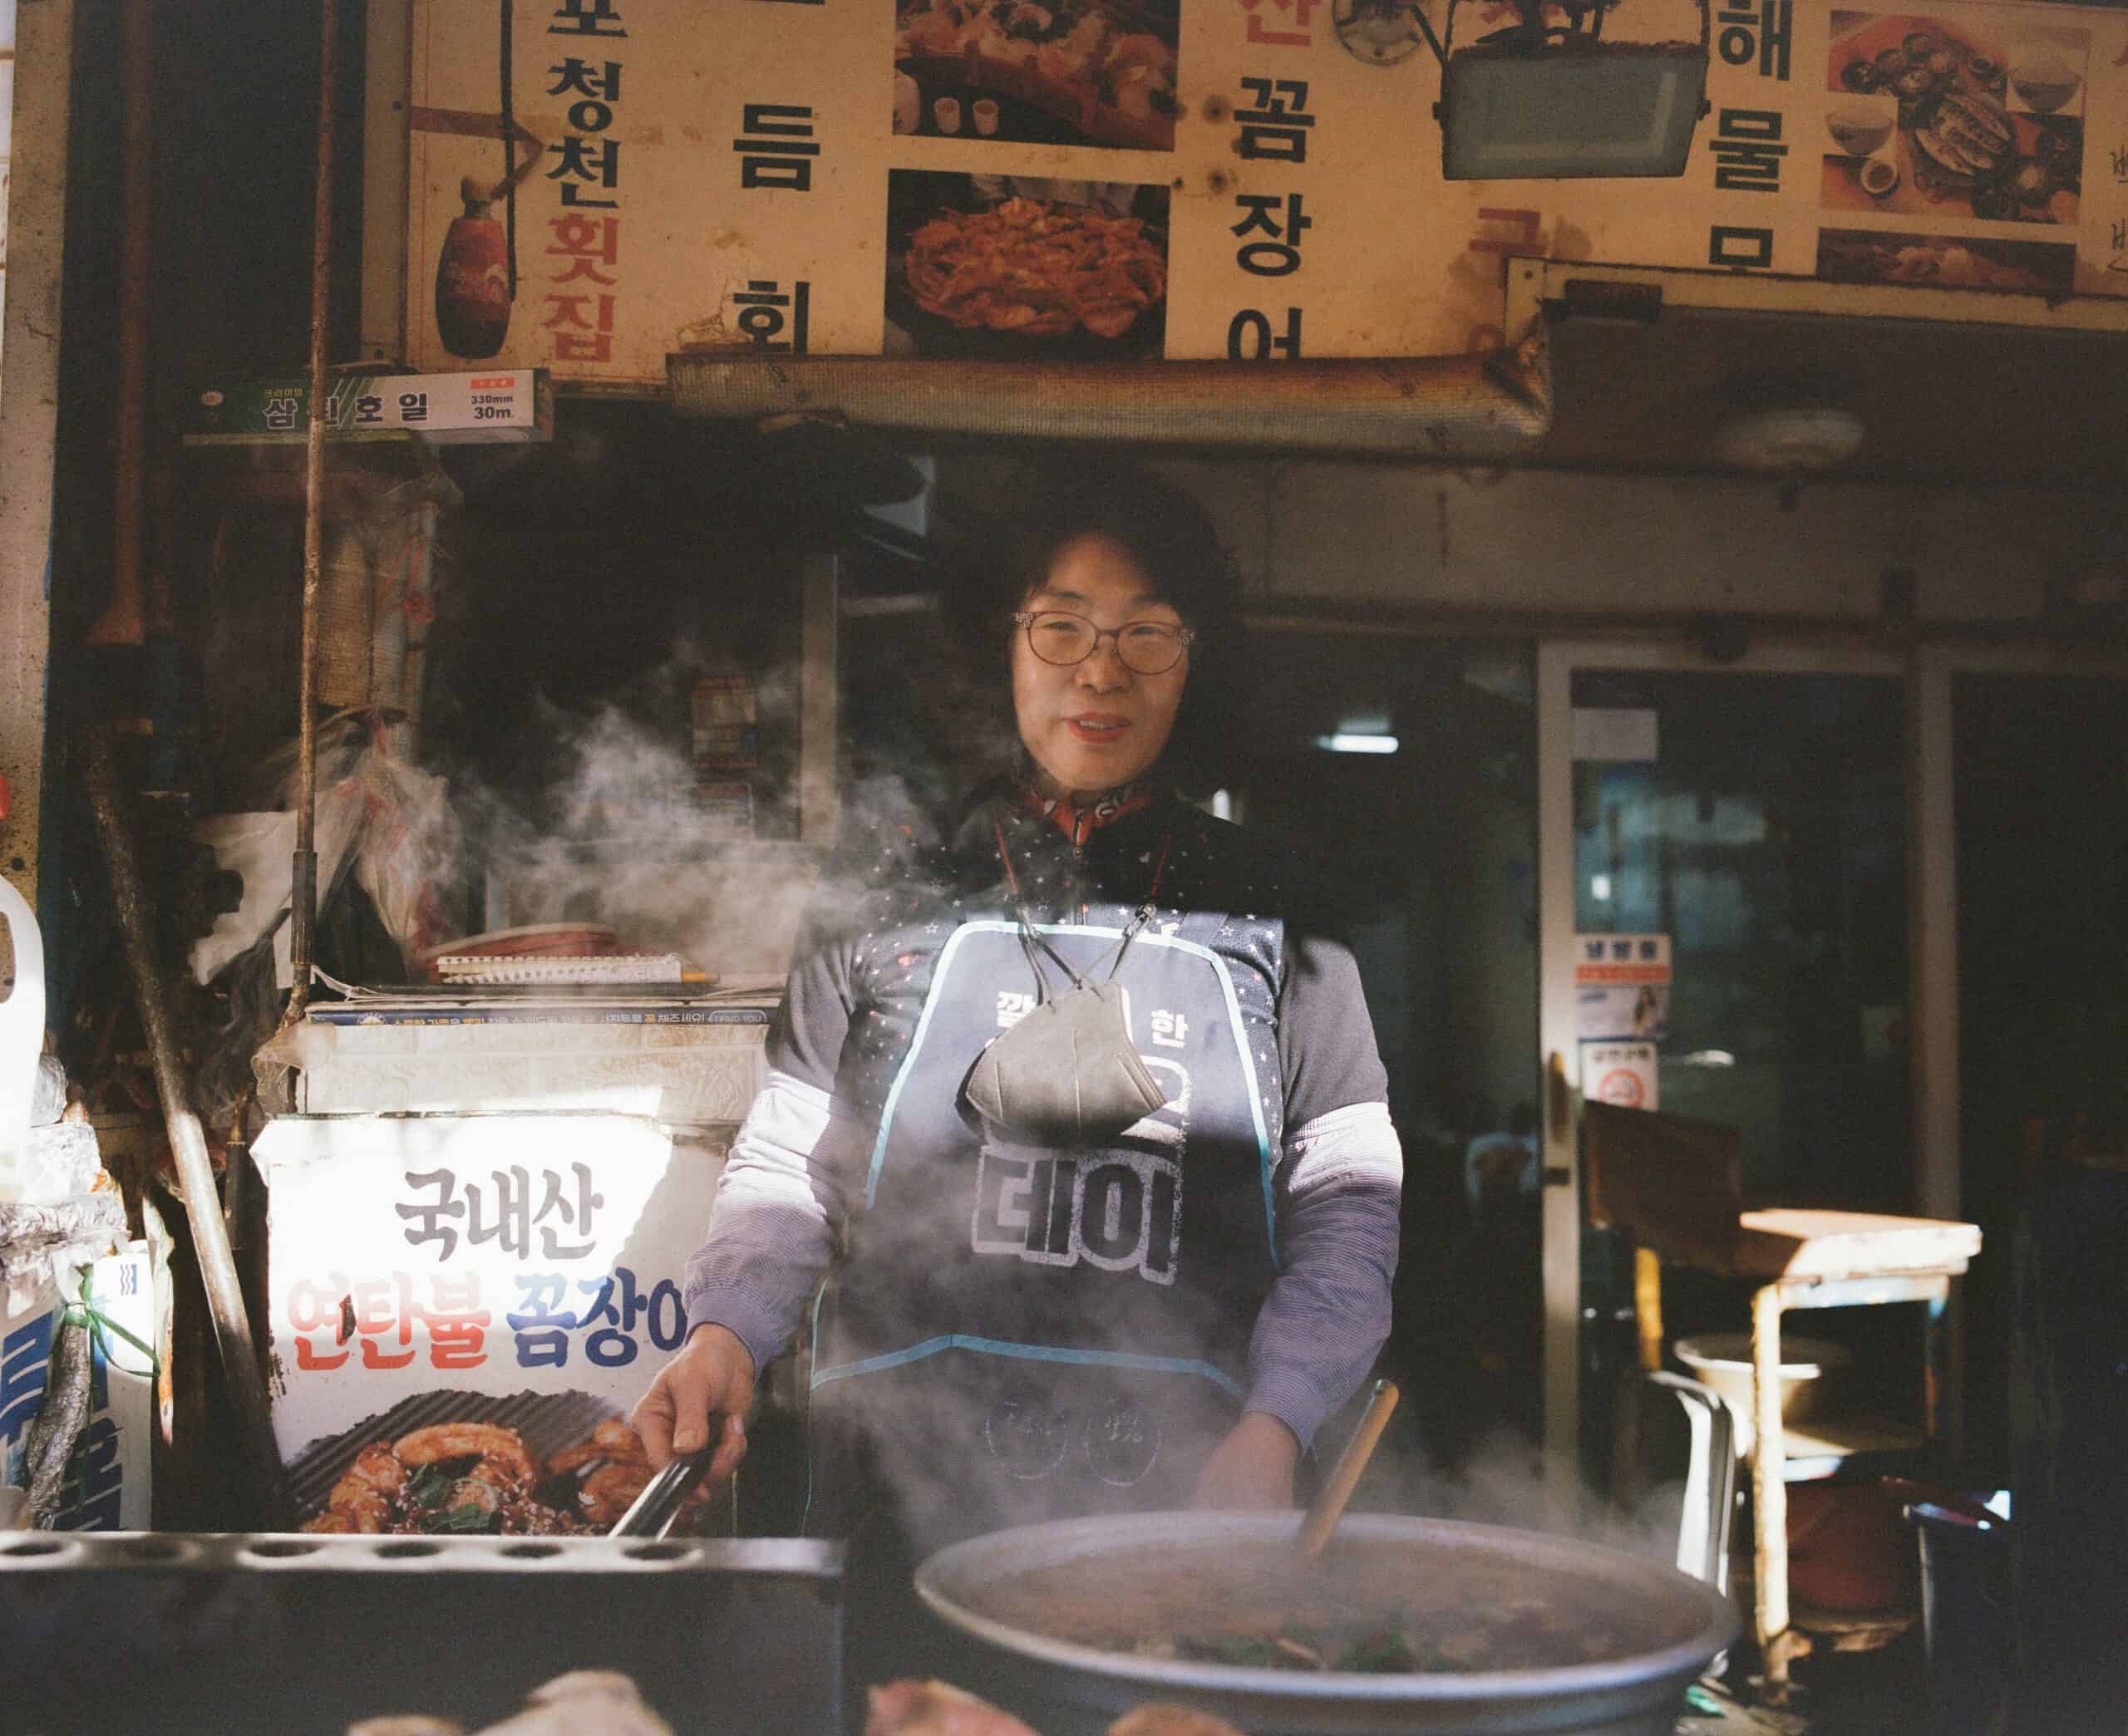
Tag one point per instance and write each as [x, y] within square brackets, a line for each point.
[1094, 725]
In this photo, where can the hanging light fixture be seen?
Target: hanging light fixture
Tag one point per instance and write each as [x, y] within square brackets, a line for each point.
[1554, 102]
[1787, 423]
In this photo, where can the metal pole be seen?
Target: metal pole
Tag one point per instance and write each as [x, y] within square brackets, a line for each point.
[303, 906]
[124, 621]
[196, 1175]
[29, 413]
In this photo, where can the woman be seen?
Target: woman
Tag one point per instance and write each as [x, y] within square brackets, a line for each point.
[1161, 1308]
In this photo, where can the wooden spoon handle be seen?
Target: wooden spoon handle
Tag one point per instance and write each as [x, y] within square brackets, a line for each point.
[1344, 1477]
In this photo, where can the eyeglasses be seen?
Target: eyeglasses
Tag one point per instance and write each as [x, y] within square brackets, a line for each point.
[1147, 648]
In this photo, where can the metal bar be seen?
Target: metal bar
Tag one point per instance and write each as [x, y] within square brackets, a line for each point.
[1560, 1053]
[1448, 409]
[124, 619]
[1768, 1490]
[1932, 938]
[196, 1173]
[1934, 1112]
[818, 696]
[1938, 1397]
[1656, 631]
[303, 909]
[1425, 29]
[1864, 1292]
[1771, 292]
[29, 412]
[387, 68]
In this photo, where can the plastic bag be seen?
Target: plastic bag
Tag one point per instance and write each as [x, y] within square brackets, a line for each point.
[388, 819]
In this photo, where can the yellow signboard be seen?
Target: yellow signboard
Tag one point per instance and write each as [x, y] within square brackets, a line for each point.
[595, 184]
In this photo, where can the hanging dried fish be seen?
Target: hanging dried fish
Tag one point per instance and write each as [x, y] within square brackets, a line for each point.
[61, 1419]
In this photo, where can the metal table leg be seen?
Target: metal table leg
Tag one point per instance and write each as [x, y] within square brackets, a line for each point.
[1936, 1386]
[1777, 1644]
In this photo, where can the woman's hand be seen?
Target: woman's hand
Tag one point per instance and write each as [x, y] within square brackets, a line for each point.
[709, 1383]
[1252, 1468]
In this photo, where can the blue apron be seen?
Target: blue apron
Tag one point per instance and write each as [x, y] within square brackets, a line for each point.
[1020, 1333]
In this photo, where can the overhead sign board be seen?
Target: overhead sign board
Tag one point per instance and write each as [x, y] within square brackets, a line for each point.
[595, 184]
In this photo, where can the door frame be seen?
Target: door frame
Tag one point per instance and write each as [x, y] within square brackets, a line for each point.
[1558, 1054]
[1933, 1059]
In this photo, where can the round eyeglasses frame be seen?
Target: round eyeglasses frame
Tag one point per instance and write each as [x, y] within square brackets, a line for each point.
[1180, 639]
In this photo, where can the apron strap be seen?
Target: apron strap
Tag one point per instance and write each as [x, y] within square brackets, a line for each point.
[1031, 937]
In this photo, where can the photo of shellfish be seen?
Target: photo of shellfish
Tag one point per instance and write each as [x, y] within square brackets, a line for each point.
[1928, 116]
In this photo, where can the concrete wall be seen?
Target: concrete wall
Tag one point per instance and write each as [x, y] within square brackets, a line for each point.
[1556, 542]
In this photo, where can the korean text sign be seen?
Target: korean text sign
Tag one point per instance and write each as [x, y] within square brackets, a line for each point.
[1252, 180]
[491, 1254]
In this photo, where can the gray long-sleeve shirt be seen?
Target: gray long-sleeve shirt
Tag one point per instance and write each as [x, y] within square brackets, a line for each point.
[796, 1171]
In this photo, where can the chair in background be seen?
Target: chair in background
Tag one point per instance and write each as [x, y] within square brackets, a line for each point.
[1669, 1430]
[1674, 1186]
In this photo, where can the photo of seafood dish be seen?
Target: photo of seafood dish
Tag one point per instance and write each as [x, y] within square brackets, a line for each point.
[468, 1478]
[1075, 71]
[983, 266]
[1946, 261]
[1928, 117]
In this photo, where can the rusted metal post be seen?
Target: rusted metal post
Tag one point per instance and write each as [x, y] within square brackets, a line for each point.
[124, 621]
[303, 892]
[196, 1173]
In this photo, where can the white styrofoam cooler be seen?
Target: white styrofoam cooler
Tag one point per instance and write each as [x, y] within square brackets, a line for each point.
[685, 1074]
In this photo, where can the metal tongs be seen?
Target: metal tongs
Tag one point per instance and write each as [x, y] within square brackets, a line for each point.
[652, 1513]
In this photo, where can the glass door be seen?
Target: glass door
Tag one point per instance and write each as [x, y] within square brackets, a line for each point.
[1723, 866]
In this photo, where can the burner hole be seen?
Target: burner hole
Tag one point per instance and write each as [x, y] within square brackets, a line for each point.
[532, 1552]
[402, 1552]
[21, 1549]
[281, 1550]
[657, 1551]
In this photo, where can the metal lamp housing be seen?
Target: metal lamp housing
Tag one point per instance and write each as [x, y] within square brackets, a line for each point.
[1509, 112]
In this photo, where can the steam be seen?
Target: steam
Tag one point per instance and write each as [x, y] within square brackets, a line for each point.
[620, 835]
[1503, 1480]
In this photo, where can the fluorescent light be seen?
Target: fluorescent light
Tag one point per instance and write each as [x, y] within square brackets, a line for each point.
[1599, 888]
[1342, 743]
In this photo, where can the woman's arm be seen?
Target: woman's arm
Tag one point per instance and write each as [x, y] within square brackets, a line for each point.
[1336, 1194]
[771, 1231]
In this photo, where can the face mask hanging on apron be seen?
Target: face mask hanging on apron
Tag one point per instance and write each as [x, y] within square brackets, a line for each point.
[1068, 1072]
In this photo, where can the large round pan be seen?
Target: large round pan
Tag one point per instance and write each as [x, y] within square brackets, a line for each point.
[1063, 1686]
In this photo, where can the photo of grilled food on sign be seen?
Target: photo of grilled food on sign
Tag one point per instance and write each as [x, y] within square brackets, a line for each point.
[982, 267]
[1929, 117]
[470, 1479]
[1076, 72]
